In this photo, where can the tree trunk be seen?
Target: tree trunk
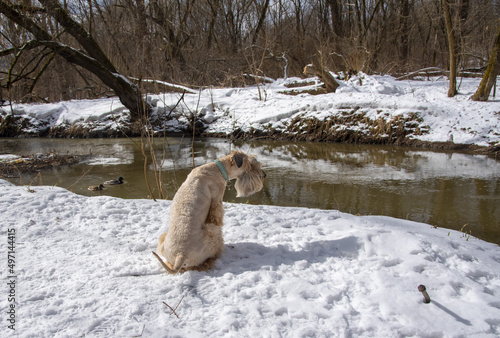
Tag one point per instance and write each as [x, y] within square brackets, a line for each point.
[490, 75]
[262, 17]
[463, 13]
[405, 30]
[452, 91]
[214, 8]
[336, 12]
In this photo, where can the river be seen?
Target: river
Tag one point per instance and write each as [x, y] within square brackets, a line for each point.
[443, 189]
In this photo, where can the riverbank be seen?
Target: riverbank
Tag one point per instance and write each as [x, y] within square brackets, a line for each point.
[365, 109]
[360, 138]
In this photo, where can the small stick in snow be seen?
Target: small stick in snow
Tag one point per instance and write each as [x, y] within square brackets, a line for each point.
[422, 289]
[173, 310]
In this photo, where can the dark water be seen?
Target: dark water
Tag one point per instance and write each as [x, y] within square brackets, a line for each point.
[450, 190]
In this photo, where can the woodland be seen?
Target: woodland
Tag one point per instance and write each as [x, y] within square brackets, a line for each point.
[54, 50]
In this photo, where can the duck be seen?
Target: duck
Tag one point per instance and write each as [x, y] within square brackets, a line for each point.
[96, 187]
[113, 182]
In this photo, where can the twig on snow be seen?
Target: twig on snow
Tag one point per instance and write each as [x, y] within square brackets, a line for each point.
[173, 310]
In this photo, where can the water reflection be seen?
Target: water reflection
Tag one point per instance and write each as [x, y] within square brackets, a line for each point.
[450, 190]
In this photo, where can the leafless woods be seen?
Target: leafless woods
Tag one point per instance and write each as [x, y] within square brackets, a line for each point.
[216, 42]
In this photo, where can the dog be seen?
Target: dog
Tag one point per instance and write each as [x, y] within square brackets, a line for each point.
[194, 237]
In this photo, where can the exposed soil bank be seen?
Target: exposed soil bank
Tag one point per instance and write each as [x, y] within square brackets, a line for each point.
[346, 129]
[359, 138]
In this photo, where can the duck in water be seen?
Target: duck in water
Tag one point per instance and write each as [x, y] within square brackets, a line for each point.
[96, 187]
[113, 182]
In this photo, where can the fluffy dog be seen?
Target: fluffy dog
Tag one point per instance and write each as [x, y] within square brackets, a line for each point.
[194, 238]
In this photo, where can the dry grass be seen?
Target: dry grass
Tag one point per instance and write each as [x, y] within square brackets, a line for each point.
[36, 163]
[355, 126]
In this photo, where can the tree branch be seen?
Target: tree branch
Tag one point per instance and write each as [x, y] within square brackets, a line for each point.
[95, 62]
[10, 12]
[78, 32]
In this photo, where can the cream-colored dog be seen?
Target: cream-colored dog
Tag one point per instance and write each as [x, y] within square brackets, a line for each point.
[194, 238]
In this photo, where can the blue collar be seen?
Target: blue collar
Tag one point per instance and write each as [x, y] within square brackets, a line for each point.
[222, 170]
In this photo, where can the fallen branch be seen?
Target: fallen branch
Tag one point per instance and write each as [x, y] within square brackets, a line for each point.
[435, 71]
[263, 79]
[173, 310]
[168, 86]
[324, 75]
[426, 71]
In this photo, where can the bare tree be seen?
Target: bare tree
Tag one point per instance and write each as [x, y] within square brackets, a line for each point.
[490, 75]
[94, 60]
[209, 42]
[262, 18]
[336, 13]
[214, 10]
[452, 91]
[405, 29]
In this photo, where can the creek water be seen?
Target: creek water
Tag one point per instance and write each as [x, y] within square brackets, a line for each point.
[443, 189]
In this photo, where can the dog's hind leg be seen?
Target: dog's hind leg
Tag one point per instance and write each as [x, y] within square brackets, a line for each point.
[159, 247]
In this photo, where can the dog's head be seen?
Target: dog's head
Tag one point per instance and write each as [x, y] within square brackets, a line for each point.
[249, 175]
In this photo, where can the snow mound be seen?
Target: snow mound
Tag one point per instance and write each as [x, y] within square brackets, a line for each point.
[225, 110]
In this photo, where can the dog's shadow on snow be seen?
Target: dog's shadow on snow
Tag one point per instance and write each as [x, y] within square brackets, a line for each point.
[241, 257]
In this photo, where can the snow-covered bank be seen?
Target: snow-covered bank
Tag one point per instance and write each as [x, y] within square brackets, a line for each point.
[84, 267]
[367, 106]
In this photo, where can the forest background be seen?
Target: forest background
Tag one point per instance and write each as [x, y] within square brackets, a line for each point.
[230, 42]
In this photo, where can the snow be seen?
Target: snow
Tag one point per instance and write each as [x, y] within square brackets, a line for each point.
[177, 87]
[84, 267]
[8, 158]
[269, 105]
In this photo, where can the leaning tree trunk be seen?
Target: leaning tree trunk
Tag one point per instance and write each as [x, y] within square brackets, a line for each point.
[324, 75]
[95, 61]
[452, 91]
[490, 75]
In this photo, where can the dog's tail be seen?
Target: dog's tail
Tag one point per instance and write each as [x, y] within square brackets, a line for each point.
[179, 261]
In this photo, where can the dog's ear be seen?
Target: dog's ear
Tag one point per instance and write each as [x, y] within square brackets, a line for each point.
[238, 158]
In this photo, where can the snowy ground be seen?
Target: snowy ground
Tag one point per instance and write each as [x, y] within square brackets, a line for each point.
[224, 110]
[84, 267]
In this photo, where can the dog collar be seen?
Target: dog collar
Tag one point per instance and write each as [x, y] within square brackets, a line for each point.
[222, 170]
